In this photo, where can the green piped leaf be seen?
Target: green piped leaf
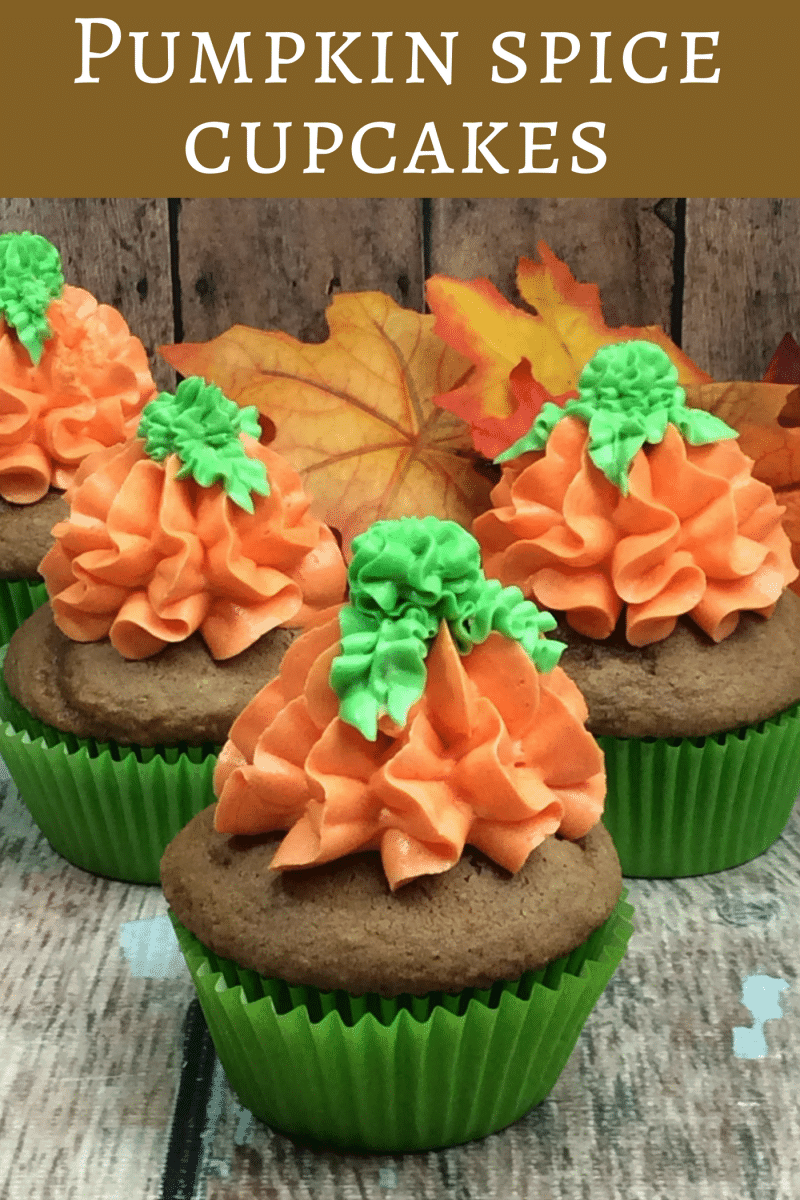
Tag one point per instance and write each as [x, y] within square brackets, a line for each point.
[30, 279]
[536, 438]
[381, 668]
[407, 577]
[627, 395]
[201, 426]
[505, 610]
[700, 427]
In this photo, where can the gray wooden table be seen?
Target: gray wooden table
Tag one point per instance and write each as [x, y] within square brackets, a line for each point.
[109, 1087]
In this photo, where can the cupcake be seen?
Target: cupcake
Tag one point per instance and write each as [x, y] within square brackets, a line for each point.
[403, 907]
[188, 556]
[638, 521]
[73, 380]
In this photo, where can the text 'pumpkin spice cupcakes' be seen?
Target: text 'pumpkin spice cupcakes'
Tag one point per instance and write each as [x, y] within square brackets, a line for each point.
[73, 380]
[187, 553]
[411, 964]
[638, 520]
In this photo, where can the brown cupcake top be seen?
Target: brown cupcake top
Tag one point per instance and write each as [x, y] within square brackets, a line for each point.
[25, 534]
[340, 926]
[687, 685]
[180, 695]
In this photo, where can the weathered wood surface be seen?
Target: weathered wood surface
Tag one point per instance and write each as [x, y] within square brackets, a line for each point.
[727, 272]
[116, 249]
[622, 245]
[653, 1104]
[275, 264]
[742, 289]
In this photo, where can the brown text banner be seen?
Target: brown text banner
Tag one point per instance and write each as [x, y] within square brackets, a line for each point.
[427, 99]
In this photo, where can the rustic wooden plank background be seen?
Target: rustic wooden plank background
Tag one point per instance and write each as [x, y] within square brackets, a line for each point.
[108, 1089]
[289, 257]
[107, 1086]
[119, 250]
[723, 276]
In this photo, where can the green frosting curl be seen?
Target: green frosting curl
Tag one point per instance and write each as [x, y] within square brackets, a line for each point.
[628, 394]
[406, 577]
[201, 426]
[30, 279]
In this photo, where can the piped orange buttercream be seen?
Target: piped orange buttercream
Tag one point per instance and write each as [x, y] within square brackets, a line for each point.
[147, 559]
[493, 754]
[86, 394]
[696, 535]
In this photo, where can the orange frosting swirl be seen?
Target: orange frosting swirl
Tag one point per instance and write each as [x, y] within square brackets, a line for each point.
[493, 754]
[147, 559]
[85, 394]
[696, 535]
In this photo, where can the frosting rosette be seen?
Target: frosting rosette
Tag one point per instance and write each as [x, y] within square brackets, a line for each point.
[696, 534]
[73, 378]
[626, 498]
[406, 577]
[493, 753]
[150, 554]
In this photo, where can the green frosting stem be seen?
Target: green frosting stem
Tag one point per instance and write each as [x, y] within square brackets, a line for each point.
[406, 577]
[30, 279]
[627, 395]
[201, 426]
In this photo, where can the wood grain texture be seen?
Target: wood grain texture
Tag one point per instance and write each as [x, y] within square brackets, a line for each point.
[116, 249]
[91, 1054]
[742, 283]
[653, 1103]
[622, 245]
[276, 263]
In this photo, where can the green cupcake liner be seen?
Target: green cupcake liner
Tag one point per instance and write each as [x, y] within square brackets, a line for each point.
[690, 806]
[107, 808]
[19, 598]
[410, 1073]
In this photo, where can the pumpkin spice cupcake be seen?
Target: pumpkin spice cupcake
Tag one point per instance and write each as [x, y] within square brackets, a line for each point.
[73, 380]
[403, 907]
[188, 556]
[637, 520]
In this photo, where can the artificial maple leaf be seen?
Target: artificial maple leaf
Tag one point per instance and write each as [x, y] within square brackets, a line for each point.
[766, 415]
[475, 319]
[522, 359]
[767, 418]
[784, 366]
[354, 415]
[573, 312]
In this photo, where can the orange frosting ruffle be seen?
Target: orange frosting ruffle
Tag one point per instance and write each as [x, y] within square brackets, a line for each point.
[493, 754]
[696, 534]
[147, 559]
[86, 393]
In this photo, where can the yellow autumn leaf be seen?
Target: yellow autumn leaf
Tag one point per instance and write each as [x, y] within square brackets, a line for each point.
[354, 415]
[523, 360]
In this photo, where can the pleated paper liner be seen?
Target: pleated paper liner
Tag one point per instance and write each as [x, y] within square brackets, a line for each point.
[107, 808]
[690, 806]
[19, 598]
[410, 1073]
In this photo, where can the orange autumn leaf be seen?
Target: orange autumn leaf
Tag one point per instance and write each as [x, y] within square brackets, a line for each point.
[500, 399]
[784, 366]
[354, 415]
[766, 416]
[523, 359]
[572, 311]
